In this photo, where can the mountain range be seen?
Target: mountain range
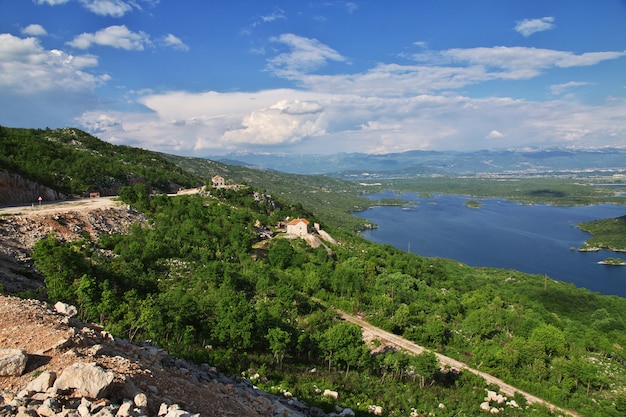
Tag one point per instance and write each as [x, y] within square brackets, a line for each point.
[551, 161]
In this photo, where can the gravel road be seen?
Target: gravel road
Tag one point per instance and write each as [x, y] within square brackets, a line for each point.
[399, 342]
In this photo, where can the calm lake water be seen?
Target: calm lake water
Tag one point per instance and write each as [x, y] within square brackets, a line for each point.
[530, 238]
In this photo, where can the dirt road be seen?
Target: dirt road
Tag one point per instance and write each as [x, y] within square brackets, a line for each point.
[399, 342]
[61, 206]
[67, 205]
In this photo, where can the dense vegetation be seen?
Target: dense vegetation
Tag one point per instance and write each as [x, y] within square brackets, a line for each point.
[329, 198]
[607, 233]
[75, 163]
[196, 281]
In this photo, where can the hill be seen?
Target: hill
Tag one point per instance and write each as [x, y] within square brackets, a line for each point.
[68, 162]
[216, 278]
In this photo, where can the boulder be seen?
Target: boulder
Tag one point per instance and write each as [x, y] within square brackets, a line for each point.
[65, 309]
[42, 382]
[377, 410]
[12, 362]
[331, 394]
[86, 379]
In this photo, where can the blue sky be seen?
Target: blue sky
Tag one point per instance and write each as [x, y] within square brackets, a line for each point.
[196, 77]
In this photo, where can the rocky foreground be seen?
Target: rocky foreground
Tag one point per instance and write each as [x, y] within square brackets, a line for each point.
[53, 365]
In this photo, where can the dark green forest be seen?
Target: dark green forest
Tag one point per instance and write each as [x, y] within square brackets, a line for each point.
[196, 282]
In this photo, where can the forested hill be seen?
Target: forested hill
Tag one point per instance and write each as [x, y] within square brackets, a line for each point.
[75, 163]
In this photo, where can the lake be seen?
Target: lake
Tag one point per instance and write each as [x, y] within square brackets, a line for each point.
[537, 239]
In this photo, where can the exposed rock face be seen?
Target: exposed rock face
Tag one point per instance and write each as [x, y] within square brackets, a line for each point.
[15, 190]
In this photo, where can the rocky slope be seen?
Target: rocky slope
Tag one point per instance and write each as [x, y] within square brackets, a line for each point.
[19, 232]
[53, 365]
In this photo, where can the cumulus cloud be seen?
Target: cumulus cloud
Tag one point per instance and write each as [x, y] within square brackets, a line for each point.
[117, 36]
[34, 30]
[529, 26]
[114, 8]
[304, 55]
[44, 87]
[27, 67]
[217, 123]
[175, 42]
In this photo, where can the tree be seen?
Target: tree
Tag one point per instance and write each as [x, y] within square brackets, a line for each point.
[279, 341]
[343, 343]
[281, 253]
[424, 365]
[62, 267]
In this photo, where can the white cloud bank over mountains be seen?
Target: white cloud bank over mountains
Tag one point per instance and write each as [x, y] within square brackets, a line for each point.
[419, 102]
[387, 108]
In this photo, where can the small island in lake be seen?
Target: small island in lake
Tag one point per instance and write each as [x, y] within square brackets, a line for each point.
[607, 234]
[613, 262]
[473, 204]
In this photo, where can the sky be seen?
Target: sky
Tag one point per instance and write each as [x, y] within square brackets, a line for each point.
[204, 78]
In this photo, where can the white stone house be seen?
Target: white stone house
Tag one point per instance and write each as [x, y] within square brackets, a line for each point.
[298, 227]
[218, 182]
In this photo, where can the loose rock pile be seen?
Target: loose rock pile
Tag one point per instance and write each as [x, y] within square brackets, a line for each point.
[19, 233]
[56, 366]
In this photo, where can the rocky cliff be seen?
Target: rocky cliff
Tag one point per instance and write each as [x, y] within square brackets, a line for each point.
[15, 190]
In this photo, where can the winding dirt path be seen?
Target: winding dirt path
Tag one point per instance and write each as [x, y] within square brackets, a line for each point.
[400, 342]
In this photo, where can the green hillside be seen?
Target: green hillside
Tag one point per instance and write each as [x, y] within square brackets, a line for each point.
[202, 283]
[331, 199]
[203, 280]
[75, 163]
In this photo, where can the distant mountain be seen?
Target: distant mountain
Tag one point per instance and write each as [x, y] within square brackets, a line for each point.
[552, 161]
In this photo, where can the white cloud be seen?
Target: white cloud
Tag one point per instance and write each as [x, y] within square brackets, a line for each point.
[175, 42]
[27, 67]
[494, 134]
[41, 87]
[558, 89]
[114, 8]
[51, 2]
[305, 55]
[434, 71]
[529, 26]
[34, 30]
[388, 108]
[521, 62]
[217, 123]
[277, 14]
[117, 36]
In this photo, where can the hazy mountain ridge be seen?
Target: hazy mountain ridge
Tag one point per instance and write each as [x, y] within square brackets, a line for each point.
[427, 163]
